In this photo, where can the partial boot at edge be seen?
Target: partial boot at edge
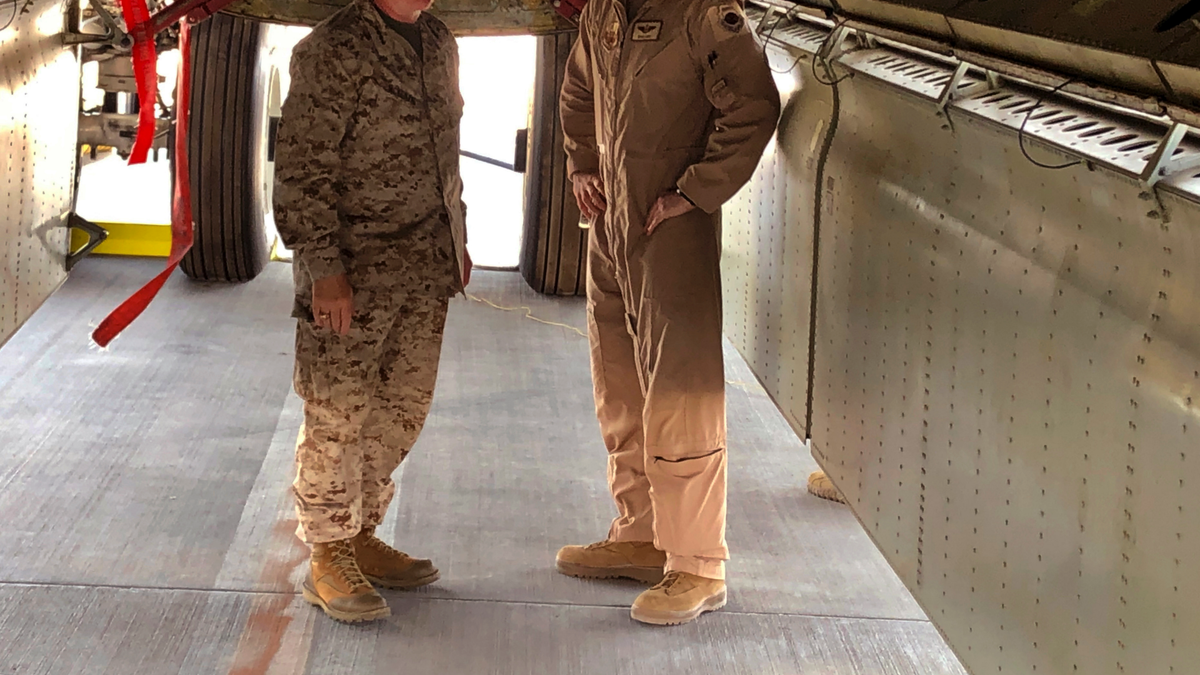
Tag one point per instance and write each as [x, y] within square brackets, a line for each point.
[386, 567]
[639, 561]
[680, 598]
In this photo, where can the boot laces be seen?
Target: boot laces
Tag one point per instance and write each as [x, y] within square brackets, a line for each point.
[343, 560]
[670, 581]
[371, 541]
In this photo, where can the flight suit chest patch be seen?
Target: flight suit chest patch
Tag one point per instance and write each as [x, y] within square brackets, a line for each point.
[647, 31]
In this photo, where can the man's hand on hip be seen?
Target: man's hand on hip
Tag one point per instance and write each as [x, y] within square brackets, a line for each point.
[468, 265]
[333, 303]
[589, 193]
[668, 206]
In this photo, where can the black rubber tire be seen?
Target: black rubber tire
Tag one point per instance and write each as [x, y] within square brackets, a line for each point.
[554, 255]
[227, 151]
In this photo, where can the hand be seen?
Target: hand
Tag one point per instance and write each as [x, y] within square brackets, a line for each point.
[668, 206]
[333, 303]
[589, 193]
[467, 266]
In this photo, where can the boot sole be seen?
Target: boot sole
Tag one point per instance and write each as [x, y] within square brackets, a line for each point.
[646, 575]
[345, 617]
[678, 618]
[826, 492]
[403, 585]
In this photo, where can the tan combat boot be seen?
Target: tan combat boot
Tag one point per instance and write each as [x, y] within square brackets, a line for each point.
[386, 567]
[680, 598]
[637, 560]
[337, 586]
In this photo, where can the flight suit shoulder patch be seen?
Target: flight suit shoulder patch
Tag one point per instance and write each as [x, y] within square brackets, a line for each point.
[612, 35]
[731, 18]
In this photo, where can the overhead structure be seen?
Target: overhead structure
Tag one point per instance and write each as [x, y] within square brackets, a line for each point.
[464, 17]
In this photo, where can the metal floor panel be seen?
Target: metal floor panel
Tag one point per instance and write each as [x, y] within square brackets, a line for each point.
[118, 631]
[163, 466]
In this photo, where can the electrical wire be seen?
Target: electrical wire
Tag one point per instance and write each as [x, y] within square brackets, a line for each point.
[818, 201]
[11, 19]
[767, 43]
[829, 66]
[1021, 133]
[528, 314]
[835, 116]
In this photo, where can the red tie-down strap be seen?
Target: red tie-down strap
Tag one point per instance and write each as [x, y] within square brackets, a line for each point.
[569, 9]
[181, 208]
[145, 72]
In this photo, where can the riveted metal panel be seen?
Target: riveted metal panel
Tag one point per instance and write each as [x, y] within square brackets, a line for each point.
[1006, 357]
[39, 111]
[1007, 364]
[768, 249]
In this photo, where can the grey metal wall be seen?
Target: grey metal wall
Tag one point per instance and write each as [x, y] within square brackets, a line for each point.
[768, 251]
[39, 112]
[1007, 365]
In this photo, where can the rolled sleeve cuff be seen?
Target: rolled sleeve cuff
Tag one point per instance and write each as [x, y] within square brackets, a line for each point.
[582, 161]
[706, 198]
[323, 263]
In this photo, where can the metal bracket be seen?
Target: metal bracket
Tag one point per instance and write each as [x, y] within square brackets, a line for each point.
[760, 30]
[520, 154]
[832, 49]
[96, 236]
[952, 92]
[834, 46]
[114, 34]
[1163, 163]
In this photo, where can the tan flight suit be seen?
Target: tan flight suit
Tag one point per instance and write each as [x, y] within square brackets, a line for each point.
[367, 184]
[680, 96]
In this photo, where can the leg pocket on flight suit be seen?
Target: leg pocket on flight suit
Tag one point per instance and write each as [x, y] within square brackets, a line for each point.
[687, 468]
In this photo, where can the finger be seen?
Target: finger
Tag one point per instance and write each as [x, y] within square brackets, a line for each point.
[589, 195]
[595, 205]
[584, 201]
[598, 194]
[589, 203]
[342, 320]
[654, 219]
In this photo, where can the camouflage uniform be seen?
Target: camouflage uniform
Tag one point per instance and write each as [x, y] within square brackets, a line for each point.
[367, 184]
